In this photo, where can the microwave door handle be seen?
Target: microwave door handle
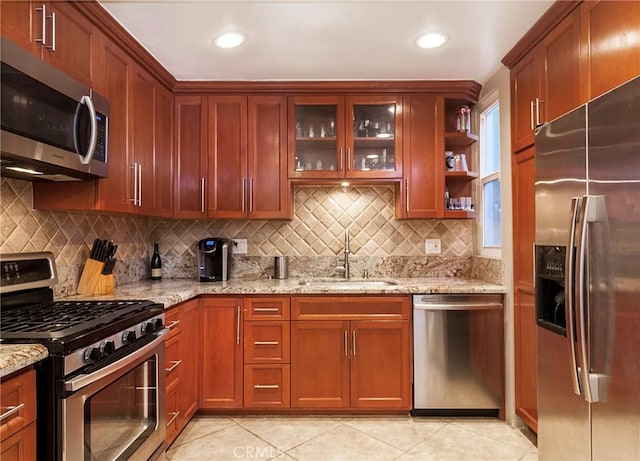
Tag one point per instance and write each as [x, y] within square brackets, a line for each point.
[569, 286]
[93, 139]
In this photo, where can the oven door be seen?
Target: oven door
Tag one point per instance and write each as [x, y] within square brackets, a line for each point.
[118, 411]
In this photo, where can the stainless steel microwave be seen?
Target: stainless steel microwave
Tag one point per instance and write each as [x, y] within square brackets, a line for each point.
[53, 127]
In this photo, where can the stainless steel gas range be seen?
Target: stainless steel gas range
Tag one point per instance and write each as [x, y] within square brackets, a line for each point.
[100, 393]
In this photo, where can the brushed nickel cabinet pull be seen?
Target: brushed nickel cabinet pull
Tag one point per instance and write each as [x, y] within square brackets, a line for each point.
[266, 386]
[53, 32]
[346, 343]
[11, 411]
[202, 189]
[173, 418]
[43, 40]
[173, 324]
[266, 309]
[353, 338]
[237, 325]
[266, 343]
[176, 363]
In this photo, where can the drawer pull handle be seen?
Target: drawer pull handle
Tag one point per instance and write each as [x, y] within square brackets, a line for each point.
[11, 411]
[173, 418]
[266, 386]
[174, 366]
[173, 324]
[266, 309]
[265, 343]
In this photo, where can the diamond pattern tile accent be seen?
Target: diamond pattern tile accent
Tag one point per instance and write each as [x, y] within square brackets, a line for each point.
[68, 236]
[317, 229]
[321, 215]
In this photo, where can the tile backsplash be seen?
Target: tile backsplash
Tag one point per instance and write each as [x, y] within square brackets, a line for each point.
[316, 233]
[321, 215]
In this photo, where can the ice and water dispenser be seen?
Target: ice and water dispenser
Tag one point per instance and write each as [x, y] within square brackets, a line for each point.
[550, 277]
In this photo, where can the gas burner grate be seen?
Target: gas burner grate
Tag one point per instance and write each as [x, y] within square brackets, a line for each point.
[63, 318]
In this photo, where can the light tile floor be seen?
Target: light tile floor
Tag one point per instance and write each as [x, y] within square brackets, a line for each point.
[324, 438]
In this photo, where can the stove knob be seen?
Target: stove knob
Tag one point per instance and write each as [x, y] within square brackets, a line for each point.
[159, 324]
[107, 348]
[147, 328]
[92, 355]
[128, 337]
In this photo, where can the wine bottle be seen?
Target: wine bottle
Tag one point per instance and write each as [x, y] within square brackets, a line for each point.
[156, 264]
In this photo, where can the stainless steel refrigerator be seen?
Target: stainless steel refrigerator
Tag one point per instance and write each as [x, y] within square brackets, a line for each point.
[587, 280]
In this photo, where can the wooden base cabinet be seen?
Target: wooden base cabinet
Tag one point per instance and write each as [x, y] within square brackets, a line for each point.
[267, 352]
[181, 367]
[18, 427]
[220, 340]
[343, 359]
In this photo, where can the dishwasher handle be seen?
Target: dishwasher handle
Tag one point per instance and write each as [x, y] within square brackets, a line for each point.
[458, 306]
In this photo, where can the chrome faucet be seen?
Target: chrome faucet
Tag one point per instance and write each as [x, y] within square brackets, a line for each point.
[347, 251]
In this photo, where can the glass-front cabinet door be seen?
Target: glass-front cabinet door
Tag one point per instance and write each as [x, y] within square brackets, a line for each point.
[373, 139]
[344, 137]
[316, 137]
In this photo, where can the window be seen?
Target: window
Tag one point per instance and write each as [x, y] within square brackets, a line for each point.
[490, 180]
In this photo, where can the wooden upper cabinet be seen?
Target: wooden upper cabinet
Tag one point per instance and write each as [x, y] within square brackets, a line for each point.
[559, 55]
[68, 35]
[546, 83]
[141, 139]
[69, 40]
[421, 193]
[333, 137]
[17, 17]
[190, 159]
[610, 39]
[163, 153]
[227, 188]
[269, 192]
[248, 157]
[524, 91]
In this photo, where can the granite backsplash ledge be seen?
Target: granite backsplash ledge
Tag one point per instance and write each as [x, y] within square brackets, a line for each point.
[256, 267]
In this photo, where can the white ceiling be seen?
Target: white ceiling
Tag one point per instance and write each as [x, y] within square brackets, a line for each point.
[328, 40]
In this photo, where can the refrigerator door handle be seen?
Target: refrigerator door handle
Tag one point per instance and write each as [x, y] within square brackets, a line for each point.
[569, 287]
[594, 211]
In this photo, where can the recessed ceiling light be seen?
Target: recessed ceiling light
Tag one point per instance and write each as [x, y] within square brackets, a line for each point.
[431, 40]
[229, 39]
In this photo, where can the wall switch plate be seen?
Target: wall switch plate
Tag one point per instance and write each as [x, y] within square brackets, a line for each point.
[240, 246]
[432, 246]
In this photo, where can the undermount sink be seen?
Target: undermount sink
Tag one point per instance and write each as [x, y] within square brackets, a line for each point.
[349, 283]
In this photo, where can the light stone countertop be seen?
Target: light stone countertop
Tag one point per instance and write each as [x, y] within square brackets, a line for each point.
[172, 292]
[14, 357]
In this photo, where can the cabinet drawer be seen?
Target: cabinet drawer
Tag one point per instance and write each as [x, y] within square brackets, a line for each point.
[267, 386]
[173, 361]
[172, 320]
[21, 446]
[351, 308]
[17, 403]
[266, 342]
[267, 309]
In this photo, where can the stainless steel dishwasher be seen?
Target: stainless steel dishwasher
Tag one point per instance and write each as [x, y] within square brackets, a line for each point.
[458, 354]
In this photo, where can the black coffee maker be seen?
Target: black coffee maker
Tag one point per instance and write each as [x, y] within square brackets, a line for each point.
[214, 259]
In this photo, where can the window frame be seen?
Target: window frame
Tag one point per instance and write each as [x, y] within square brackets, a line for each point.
[488, 103]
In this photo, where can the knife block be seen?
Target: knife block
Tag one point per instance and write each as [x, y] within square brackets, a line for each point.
[92, 282]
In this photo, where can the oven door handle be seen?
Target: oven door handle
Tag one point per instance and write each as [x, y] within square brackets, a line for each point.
[81, 381]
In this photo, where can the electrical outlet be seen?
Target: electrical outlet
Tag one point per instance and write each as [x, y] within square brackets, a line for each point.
[240, 246]
[432, 246]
